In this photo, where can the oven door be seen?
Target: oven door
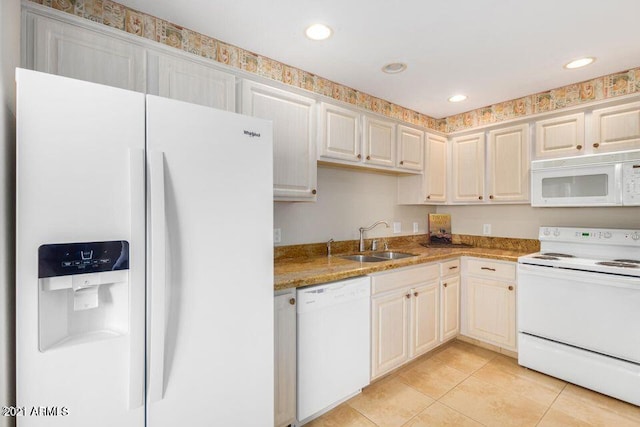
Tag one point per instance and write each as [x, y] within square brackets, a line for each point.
[589, 185]
[593, 311]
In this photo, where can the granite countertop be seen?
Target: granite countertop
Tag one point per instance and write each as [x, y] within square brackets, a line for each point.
[304, 270]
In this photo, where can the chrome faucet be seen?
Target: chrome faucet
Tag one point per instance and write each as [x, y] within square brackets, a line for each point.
[329, 242]
[363, 229]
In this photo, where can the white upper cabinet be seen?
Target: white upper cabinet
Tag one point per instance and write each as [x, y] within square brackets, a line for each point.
[71, 51]
[410, 148]
[616, 128]
[379, 142]
[339, 133]
[294, 147]
[435, 169]
[468, 168]
[508, 164]
[190, 81]
[560, 136]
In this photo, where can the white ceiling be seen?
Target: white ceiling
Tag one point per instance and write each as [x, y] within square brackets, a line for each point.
[491, 50]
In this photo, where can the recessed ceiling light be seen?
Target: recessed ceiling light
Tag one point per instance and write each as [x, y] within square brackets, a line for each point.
[318, 32]
[580, 62]
[394, 67]
[457, 98]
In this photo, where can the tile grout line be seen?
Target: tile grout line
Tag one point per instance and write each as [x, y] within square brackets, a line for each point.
[554, 401]
[458, 412]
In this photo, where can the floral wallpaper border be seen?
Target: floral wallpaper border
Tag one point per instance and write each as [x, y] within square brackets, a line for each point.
[118, 16]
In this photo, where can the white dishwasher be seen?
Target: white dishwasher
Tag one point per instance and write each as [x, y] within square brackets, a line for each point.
[333, 343]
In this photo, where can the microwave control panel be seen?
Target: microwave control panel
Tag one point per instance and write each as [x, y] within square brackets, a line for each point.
[631, 183]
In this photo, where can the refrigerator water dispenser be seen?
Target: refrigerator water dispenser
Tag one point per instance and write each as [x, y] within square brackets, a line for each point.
[83, 292]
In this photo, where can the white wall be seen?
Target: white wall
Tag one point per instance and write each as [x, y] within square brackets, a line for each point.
[347, 200]
[523, 221]
[9, 59]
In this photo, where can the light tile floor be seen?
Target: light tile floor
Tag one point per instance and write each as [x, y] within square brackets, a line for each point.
[465, 385]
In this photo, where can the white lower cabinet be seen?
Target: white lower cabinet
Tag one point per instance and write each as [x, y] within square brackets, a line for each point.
[449, 299]
[285, 358]
[490, 302]
[405, 310]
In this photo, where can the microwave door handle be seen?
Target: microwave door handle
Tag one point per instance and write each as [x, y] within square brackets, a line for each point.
[158, 276]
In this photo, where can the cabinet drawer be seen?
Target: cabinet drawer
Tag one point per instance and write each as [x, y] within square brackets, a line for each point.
[403, 278]
[496, 270]
[449, 268]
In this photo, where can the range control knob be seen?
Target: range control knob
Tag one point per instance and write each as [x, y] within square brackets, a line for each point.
[556, 232]
[635, 236]
[546, 232]
[607, 234]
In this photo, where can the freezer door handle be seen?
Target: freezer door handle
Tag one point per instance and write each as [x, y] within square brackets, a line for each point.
[136, 278]
[158, 276]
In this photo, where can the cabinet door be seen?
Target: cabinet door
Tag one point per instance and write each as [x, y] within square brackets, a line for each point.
[389, 323]
[79, 53]
[425, 314]
[508, 164]
[435, 170]
[339, 133]
[491, 311]
[285, 359]
[450, 309]
[616, 128]
[379, 142]
[294, 148]
[560, 136]
[410, 148]
[468, 168]
[189, 81]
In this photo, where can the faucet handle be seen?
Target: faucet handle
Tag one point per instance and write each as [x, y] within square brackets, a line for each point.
[386, 245]
[374, 245]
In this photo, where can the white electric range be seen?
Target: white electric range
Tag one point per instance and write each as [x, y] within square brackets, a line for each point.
[579, 309]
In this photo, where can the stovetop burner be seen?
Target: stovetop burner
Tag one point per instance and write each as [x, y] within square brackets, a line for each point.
[559, 255]
[618, 264]
[628, 261]
[547, 257]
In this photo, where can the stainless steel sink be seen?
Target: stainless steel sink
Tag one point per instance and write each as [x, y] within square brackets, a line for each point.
[364, 258]
[391, 255]
[378, 256]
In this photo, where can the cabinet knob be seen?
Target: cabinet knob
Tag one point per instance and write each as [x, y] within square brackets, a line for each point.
[579, 147]
[429, 196]
[415, 294]
[491, 196]
[444, 284]
[408, 296]
[480, 197]
[359, 156]
[596, 145]
[402, 162]
[368, 157]
[314, 191]
[510, 287]
[292, 301]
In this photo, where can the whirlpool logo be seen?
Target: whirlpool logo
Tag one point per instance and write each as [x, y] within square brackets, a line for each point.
[252, 134]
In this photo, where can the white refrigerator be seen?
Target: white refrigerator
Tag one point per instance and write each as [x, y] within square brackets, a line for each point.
[144, 260]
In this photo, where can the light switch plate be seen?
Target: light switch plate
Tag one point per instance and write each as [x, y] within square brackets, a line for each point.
[397, 227]
[277, 235]
[415, 227]
[486, 229]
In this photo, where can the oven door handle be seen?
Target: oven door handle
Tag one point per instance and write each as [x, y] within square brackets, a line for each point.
[602, 279]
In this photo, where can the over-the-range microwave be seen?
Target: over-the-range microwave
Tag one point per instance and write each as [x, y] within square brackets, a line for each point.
[592, 180]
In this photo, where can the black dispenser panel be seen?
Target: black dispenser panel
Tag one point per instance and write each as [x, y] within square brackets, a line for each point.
[64, 259]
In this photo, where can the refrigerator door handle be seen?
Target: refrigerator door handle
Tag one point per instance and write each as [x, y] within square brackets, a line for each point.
[158, 276]
[136, 278]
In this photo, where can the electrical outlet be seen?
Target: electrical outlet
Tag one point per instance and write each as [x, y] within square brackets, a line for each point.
[415, 227]
[486, 229]
[397, 227]
[277, 235]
